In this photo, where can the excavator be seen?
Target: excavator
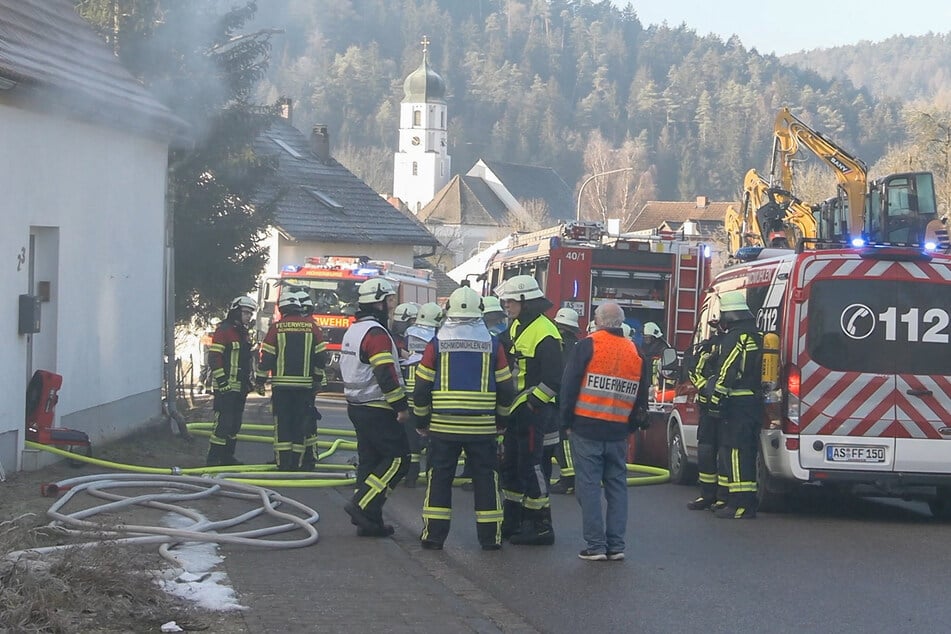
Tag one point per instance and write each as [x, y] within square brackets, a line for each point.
[768, 217]
[895, 209]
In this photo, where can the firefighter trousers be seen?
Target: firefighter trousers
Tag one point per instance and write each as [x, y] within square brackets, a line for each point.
[292, 409]
[524, 485]
[713, 481]
[566, 466]
[742, 418]
[383, 455]
[415, 443]
[444, 452]
[229, 411]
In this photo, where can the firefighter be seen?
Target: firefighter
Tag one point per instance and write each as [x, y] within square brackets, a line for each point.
[309, 460]
[566, 319]
[463, 390]
[293, 353]
[420, 333]
[701, 365]
[403, 318]
[376, 404]
[736, 397]
[602, 402]
[493, 315]
[535, 350]
[230, 366]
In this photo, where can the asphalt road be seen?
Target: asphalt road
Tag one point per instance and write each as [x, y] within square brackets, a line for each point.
[828, 564]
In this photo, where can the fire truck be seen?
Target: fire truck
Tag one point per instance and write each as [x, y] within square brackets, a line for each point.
[856, 372]
[332, 282]
[659, 278]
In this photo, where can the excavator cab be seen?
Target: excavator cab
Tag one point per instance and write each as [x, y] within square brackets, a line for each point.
[902, 210]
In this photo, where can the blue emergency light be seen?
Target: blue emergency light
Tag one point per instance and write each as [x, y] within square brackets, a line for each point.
[858, 242]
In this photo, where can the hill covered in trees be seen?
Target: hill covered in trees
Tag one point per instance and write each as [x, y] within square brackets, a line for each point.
[902, 67]
[540, 81]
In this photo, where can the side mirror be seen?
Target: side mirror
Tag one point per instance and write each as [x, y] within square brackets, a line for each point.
[669, 363]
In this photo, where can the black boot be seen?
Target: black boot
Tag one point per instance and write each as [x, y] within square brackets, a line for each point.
[563, 486]
[535, 531]
[216, 455]
[511, 518]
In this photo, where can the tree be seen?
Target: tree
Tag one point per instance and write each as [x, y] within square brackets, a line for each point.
[531, 215]
[616, 194]
[197, 63]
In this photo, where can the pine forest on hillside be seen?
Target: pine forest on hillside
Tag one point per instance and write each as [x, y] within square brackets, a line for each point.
[529, 81]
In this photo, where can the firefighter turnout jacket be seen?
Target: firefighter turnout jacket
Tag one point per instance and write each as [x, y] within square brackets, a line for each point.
[535, 351]
[741, 362]
[294, 353]
[463, 382]
[604, 393]
[703, 366]
[229, 357]
[369, 367]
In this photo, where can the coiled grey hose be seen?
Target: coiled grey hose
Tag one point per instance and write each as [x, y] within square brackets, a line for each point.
[177, 490]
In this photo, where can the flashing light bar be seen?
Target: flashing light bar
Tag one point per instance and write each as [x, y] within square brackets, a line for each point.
[858, 242]
[930, 246]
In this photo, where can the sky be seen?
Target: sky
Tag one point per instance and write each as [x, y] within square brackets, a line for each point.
[787, 27]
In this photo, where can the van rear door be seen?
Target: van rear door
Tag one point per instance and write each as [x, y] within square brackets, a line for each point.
[875, 363]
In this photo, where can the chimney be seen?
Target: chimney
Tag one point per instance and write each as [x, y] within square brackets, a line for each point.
[702, 201]
[286, 109]
[320, 143]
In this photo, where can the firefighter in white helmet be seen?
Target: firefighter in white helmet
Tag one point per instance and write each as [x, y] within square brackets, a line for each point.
[566, 319]
[293, 353]
[403, 318]
[423, 328]
[463, 391]
[534, 349]
[736, 397]
[376, 404]
[230, 366]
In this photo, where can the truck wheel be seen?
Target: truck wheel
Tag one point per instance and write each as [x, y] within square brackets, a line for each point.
[770, 494]
[941, 505]
[680, 470]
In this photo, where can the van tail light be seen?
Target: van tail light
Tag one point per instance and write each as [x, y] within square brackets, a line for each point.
[791, 419]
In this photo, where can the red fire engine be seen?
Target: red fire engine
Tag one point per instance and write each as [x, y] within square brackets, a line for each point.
[577, 266]
[332, 282]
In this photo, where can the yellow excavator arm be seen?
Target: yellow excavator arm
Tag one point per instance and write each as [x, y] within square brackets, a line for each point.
[768, 217]
[850, 172]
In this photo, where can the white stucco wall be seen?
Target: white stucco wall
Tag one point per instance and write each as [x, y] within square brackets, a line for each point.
[94, 199]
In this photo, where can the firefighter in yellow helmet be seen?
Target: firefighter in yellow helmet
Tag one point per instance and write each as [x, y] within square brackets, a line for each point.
[566, 319]
[463, 391]
[376, 404]
[736, 397]
[534, 348]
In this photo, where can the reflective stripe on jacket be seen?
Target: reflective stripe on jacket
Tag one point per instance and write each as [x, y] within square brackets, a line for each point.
[523, 350]
[611, 381]
[293, 351]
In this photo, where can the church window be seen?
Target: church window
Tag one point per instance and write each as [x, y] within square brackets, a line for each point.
[417, 117]
[442, 120]
[415, 168]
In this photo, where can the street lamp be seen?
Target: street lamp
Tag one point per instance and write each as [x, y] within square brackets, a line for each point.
[591, 178]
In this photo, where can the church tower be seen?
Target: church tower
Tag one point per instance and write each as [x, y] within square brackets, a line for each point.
[421, 164]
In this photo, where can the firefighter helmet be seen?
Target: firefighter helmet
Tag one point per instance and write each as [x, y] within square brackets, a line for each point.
[429, 315]
[733, 307]
[464, 303]
[290, 303]
[491, 304]
[243, 303]
[567, 317]
[626, 329]
[406, 311]
[306, 301]
[519, 289]
[375, 290]
[653, 330]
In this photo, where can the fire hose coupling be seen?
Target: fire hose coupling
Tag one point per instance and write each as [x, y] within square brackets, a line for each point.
[176, 471]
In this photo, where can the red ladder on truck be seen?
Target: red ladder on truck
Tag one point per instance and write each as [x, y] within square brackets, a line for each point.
[690, 278]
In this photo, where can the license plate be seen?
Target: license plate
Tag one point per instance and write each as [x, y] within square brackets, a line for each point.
[854, 453]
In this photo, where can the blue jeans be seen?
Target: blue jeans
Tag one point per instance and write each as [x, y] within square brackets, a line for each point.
[598, 463]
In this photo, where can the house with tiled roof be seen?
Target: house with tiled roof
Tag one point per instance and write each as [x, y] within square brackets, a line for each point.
[478, 208]
[701, 219]
[322, 208]
[85, 159]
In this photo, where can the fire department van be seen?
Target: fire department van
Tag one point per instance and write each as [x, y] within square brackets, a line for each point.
[858, 378]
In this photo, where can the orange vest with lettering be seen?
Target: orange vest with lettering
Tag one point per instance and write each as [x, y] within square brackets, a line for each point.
[610, 383]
